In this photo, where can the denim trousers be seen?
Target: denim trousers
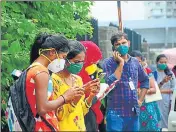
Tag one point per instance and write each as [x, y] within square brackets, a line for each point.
[115, 122]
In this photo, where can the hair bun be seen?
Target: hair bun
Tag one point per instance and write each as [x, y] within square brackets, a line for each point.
[42, 37]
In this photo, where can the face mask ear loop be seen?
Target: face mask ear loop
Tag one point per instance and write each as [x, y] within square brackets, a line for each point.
[40, 50]
[46, 57]
[68, 61]
[40, 53]
[57, 55]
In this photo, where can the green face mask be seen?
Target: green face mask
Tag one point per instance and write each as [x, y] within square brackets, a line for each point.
[75, 68]
[122, 49]
[162, 66]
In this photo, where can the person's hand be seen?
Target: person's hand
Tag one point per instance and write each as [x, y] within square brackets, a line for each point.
[149, 92]
[170, 92]
[118, 57]
[139, 103]
[88, 86]
[95, 89]
[166, 79]
[138, 91]
[72, 93]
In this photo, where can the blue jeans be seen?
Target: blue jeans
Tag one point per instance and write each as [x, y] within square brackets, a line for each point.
[114, 122]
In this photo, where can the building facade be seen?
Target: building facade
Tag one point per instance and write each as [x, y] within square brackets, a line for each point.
[160, 9]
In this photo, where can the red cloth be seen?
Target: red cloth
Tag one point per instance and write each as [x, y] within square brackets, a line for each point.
[97, 111]
[93, 55]
[148, 71]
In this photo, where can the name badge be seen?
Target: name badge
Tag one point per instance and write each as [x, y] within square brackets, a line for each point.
[131, 84]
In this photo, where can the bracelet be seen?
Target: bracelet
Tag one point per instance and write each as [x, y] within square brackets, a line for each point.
[63, 98]
[72, 104]
[60, 109]
[87, 105]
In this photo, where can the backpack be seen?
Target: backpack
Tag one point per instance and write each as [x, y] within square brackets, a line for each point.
[19, 113]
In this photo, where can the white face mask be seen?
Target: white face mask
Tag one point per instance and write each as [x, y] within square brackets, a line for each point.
[56, 65]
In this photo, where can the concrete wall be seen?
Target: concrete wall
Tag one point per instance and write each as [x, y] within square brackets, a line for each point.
[104, 37]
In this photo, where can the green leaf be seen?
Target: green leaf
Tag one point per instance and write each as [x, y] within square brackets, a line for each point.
[4, 106]
[16, 8]
[27, 26]
[51, 16]
[20, 31]
[6, 67]
[8, 37]
[14, 47]
[4, 45]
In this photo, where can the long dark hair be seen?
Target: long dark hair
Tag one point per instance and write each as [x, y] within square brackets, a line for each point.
[75, 48]
[44, 41]
[39, 40]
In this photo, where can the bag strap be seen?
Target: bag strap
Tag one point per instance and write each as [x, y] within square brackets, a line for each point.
[34, 64]
[38, 64]
[47, 123]
[155, 75]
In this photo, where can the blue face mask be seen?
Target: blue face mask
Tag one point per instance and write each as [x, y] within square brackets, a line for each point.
[122, 49]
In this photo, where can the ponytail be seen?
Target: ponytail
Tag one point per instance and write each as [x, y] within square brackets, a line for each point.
[46, 41]
[39, 40]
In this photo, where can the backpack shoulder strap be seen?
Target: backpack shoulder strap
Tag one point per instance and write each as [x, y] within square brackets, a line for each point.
[34, 64]
[42, 67]
[155, 73]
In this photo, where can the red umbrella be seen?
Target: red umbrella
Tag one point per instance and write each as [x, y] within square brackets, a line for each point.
[171, 55]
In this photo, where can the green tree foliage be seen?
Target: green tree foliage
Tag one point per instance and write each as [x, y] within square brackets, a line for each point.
[21, 21]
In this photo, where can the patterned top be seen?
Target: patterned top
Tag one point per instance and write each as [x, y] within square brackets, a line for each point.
[70, 118]
[122, 99]
[30, 92]
[149, 113]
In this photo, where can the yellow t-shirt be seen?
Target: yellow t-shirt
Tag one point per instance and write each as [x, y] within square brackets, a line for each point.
[70, 118]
